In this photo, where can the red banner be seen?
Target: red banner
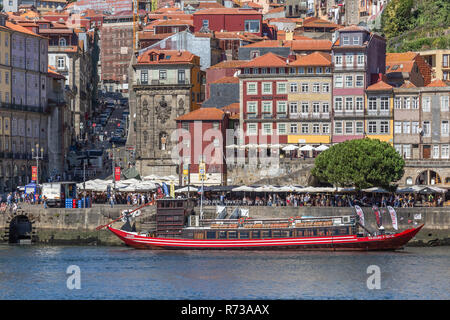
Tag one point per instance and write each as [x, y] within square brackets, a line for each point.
[360, 213]
[377, 213]
[117, 173]
[34, 173]
[393, 217]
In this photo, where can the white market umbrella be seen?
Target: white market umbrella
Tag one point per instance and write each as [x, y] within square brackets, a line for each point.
[306, 148]
[322, 147]
[290, 148]
[276, 146]
[243, 188]
[151, 177]
[130, 181]
[185, 189]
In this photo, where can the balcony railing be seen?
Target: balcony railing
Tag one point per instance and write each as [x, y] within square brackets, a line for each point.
[155, 82]
[348, 113]
[21, 107]
[317, 115]
[378, 113]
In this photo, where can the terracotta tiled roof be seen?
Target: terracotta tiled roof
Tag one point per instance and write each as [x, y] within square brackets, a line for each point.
[202, 114]
[437, 83]
[166, 57]
[399, 66]
[21, 29]
[353, 28]
[152, 36]
[228, 64]
[227, 80]
[173, 22]
[234, 107]
[319, 23]
[398, 57]
[313, 59]
[268, 60]
[379, 86]
[52, 73]
[408, 84]
[226, 11]
[275, 10]
[165, 10]
[311, 45]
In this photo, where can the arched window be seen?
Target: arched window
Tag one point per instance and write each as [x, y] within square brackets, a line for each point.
[62, 42]
[409, 181]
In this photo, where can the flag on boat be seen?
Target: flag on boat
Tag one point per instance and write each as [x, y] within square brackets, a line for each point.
[172, 189]
[166, 190]
[377, 213]
[393, 217]
[360, 213]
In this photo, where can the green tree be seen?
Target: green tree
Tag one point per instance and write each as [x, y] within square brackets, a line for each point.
[362, 163]
[397, 17]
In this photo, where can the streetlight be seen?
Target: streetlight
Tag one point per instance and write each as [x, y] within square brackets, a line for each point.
[37, 157]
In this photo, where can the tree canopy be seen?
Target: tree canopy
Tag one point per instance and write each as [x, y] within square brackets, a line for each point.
[414, 25]
[362, 163]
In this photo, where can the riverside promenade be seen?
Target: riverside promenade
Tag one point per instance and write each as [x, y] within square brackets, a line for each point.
[78, 226]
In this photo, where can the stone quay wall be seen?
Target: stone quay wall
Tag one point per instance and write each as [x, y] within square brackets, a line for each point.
[78, 226]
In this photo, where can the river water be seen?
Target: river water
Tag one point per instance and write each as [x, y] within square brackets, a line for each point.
[40, 272]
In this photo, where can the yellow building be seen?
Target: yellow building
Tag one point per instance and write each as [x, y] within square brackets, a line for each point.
[439, 60]
[309, 99]
[379, 112]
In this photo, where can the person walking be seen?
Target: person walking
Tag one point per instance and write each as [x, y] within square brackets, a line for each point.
[111, 200]
[44, 198]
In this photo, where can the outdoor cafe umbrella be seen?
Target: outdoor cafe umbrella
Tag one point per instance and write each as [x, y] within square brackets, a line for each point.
[427, 190]
[275, 146]
[186, 189]
[290, 148]
[307, 148]
[406, 190]
[322, 147]
[376, 190]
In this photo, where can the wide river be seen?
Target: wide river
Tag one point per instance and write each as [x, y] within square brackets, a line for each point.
[48, 272]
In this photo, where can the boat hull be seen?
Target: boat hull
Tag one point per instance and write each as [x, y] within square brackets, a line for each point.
[330, 243]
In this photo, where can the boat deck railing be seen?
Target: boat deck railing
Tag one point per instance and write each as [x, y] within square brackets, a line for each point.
[280, 223]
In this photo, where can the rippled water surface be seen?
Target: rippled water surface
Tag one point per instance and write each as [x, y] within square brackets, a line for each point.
[40, 272]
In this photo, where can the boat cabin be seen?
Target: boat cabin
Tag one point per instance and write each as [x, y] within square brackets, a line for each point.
[216, 229]
[172, 216]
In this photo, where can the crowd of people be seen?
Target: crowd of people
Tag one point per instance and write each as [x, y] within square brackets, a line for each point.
[328, 200]
[14, 199]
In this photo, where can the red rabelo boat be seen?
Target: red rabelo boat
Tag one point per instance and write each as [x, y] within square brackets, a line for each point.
[177, 227]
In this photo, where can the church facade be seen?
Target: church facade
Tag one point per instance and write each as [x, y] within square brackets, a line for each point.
[167, 85]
